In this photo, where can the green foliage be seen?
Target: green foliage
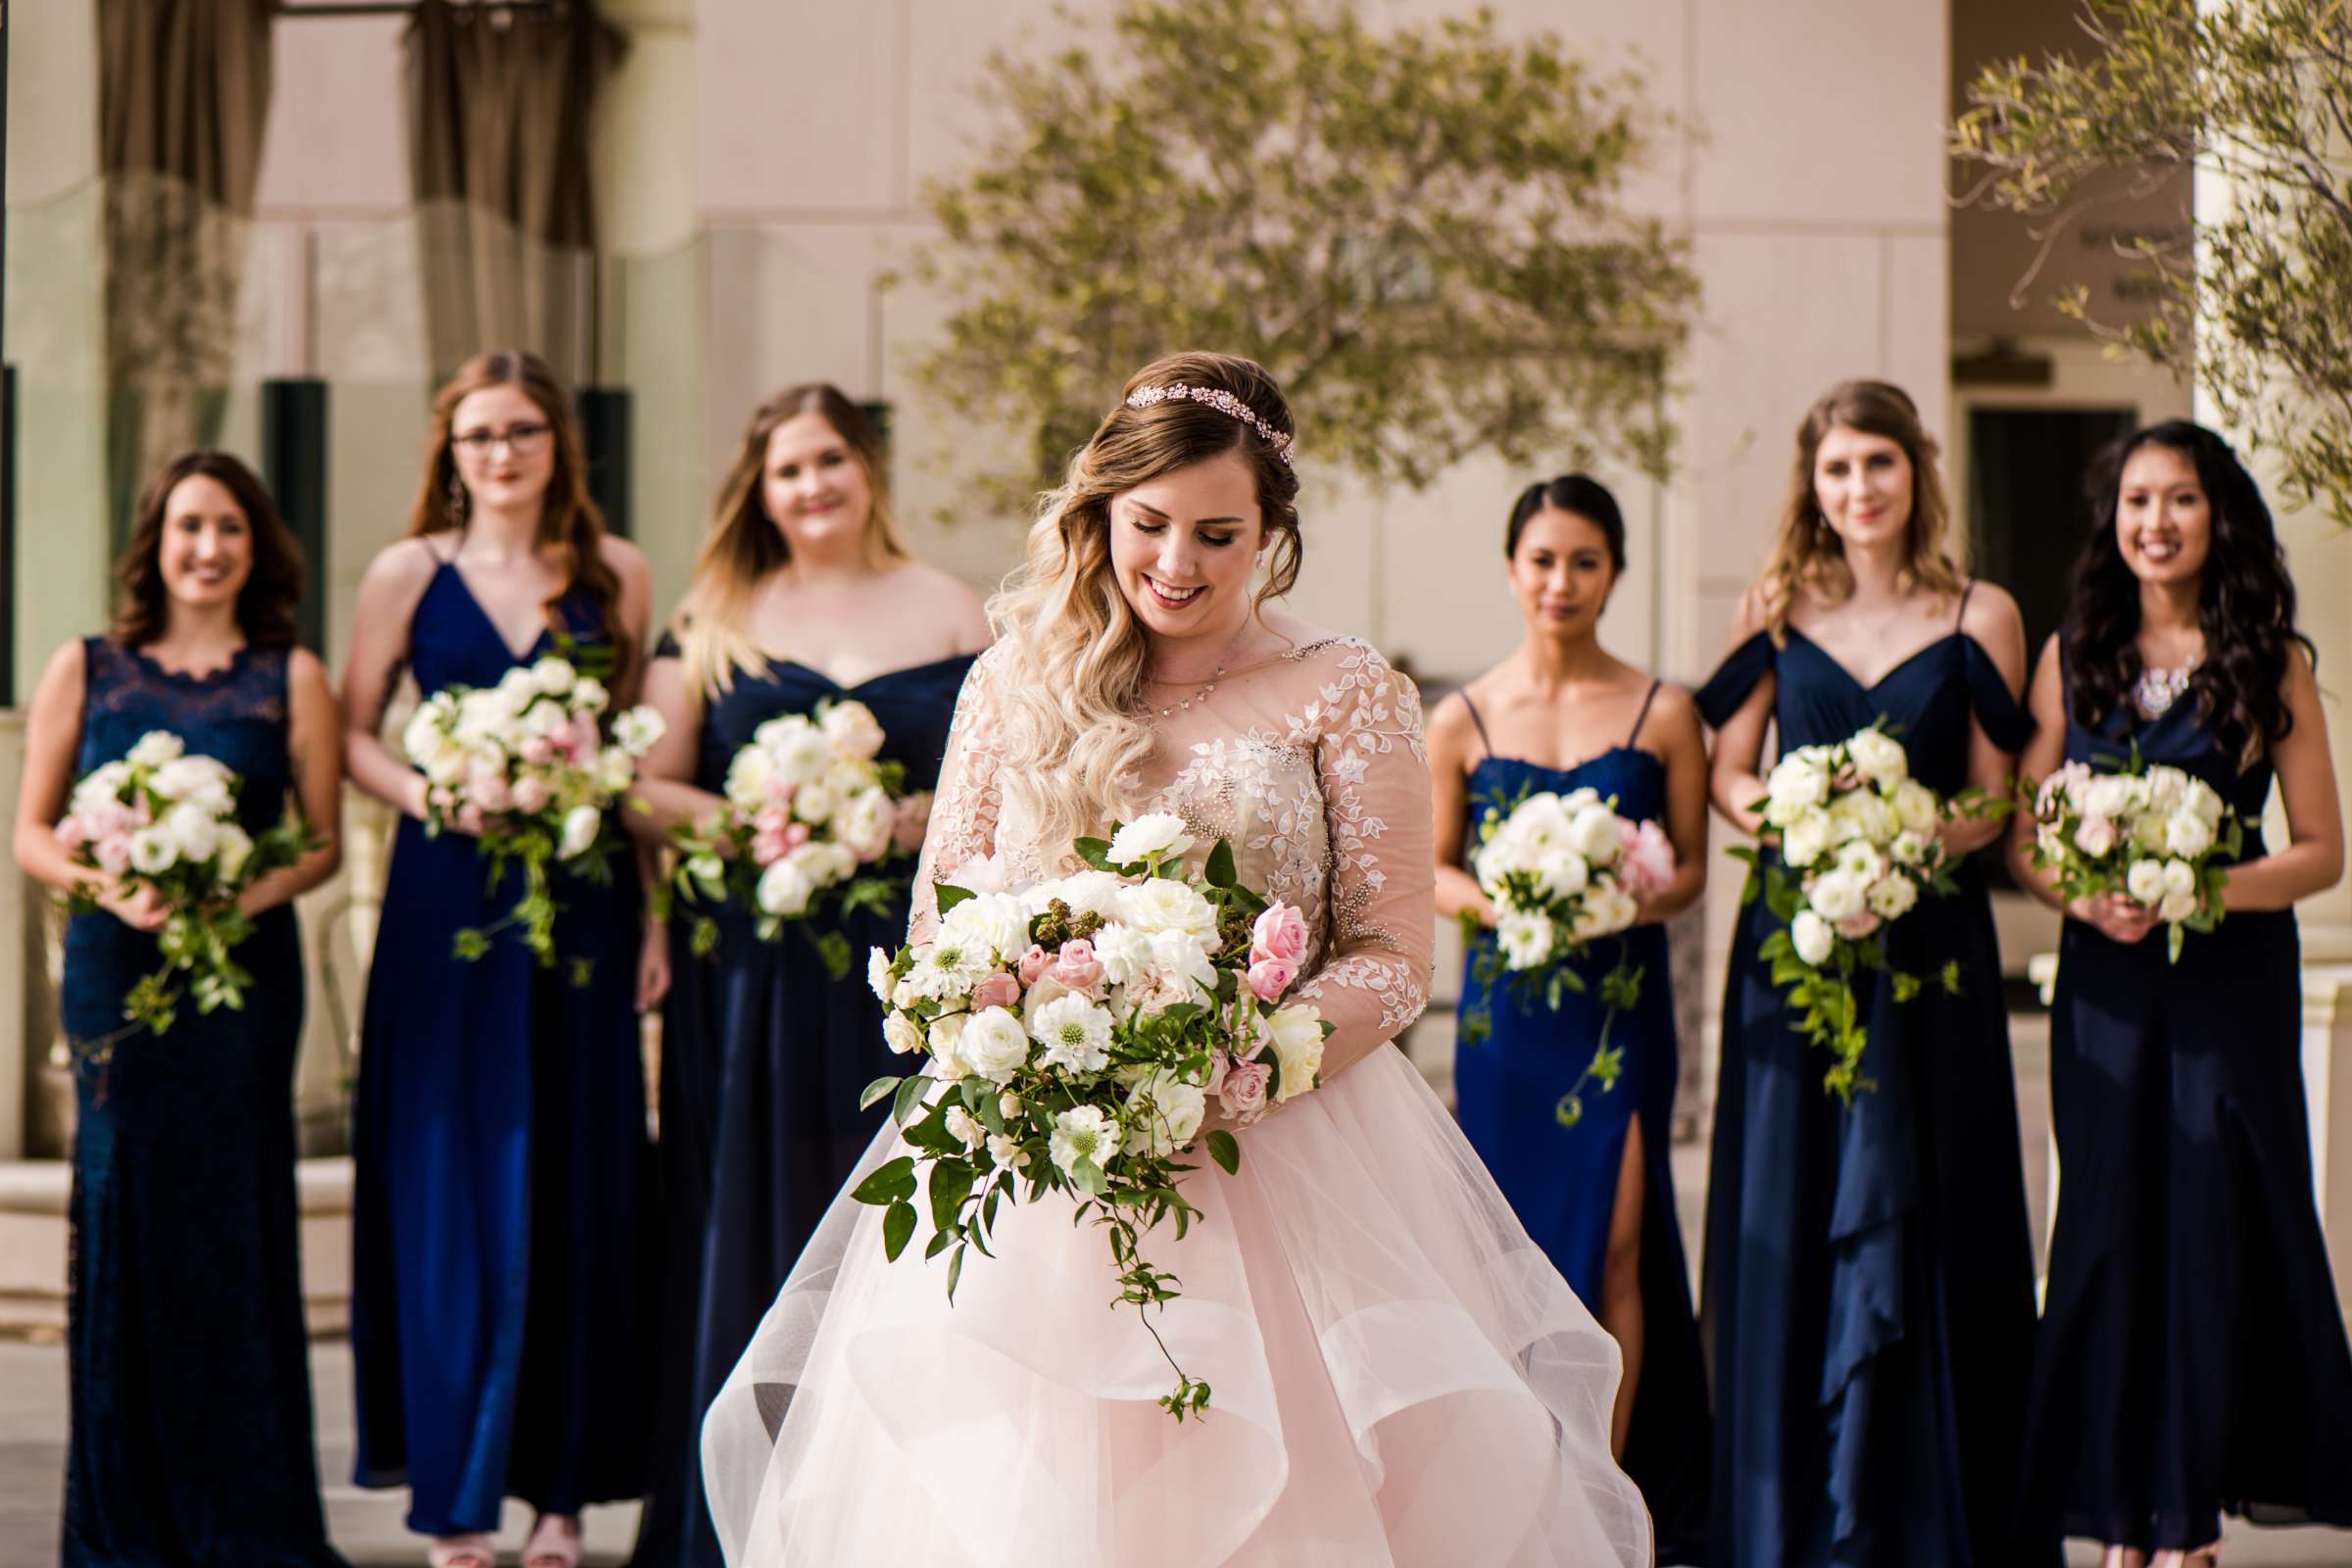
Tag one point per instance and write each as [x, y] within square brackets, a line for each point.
[1417, 228]
[2255, 302]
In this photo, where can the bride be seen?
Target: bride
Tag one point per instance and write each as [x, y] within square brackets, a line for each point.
[1400, 1375]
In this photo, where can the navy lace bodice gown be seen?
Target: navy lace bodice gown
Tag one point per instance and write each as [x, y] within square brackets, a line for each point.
[191, 1395]
[763, 1056]
[499, 1328]
[1562, 1181]
[1868, 1290]
[2193, 1354]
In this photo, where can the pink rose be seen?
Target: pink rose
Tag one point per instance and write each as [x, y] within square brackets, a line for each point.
[1269, 978]
[780, 791]
[768, 846]
[913, 820]
[107, 820]
[1279, 934]
[1032, 964]
[1076, 965]
[531, 793]
[1646, 865]
[996, 989]
[114, 856]
[1854, 927]
[1243, 1093]
[1220, 1062]
[536, 750]
[796, 834]
[71, 834]
[771, 819]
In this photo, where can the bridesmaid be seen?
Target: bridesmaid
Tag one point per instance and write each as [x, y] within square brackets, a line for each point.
[1598, 1197]
[1869, 1281]
[803, 594]
[2193, 1354]
[497, 1325]
[191, 1395]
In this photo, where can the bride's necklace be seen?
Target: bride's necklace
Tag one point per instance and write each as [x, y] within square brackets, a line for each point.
[1184, 705]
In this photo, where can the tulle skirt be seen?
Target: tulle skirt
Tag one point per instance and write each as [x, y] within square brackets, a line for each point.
[1399, 1376]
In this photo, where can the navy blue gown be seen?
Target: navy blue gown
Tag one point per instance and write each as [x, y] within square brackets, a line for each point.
[763, 1056]
[192, 1443]
[1868, 1293]
[1562, 1181]
[2193, 1354]
[499, 1328]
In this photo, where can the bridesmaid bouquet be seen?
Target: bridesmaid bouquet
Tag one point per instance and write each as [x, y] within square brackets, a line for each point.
[1075, 1034]
[809, 804]
[1859, 846]
[166, 820]
[2152, 833]
[525, 766]
[1562, 872]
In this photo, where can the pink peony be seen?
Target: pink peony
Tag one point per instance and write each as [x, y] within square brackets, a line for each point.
[1645, 867]
[531, 793]
[1076, 965]
[996, 990]
[114, 856]
[71, 834]
[1032, 963]
[1269, 978]
[1279, 934]
[768, 846]
[1243, 1091]
[107, 820]
[536, 750]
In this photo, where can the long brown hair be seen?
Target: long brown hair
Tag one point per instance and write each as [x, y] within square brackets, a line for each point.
[745, 544]
[1808, 553]
[571, 530]
[267, 603]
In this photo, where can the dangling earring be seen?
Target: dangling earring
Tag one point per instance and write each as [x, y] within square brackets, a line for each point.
[457, 500]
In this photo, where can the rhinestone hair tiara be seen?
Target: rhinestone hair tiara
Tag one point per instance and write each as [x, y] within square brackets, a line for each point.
[1217, 397]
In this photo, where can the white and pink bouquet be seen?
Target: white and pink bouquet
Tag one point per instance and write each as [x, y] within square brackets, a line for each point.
[1562, 872]
[1860, 843]
[166, 820]
[1077, 1034]
[2154, 834]
[812, 812]
[528, 767]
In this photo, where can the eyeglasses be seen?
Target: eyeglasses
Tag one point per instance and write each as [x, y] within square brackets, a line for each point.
[523, 439]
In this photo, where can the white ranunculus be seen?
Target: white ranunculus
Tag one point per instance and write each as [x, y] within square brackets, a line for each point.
[1835, 896]
[1163, 903]
[1164, 1113]
[784, 889]
[2186, 834]
[1916, 807]
[853, 729]
[1298, 1036]
[996, 1044]
[1083, 1132]
[1579, 800]
[966, 1129]
[1796, 782]
[2145, 881]
[638, 729]
[1075, 1032]
[235, 849]
[2165, 788]
[2177, 908]
[901, 1034]
[1877, 757]
[2146, 832]
[553, 675]
[1805, 839]
[155, 748]
[1563, 873]
[1812, 936]
[1526, 939]
[1891, 898]
[1158, 833]
[151, 851]
[581, 824]
[2178, 877]
[543, 719]
[884, 984]
[1594, 834]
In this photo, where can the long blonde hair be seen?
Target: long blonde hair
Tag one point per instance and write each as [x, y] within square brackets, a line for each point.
[1072, 650]
[1808, 553]
[745, 544]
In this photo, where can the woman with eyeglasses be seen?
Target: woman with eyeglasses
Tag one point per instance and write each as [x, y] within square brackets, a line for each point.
[498, 1326]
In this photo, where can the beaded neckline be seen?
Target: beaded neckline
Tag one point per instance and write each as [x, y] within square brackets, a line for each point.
[2157, 690]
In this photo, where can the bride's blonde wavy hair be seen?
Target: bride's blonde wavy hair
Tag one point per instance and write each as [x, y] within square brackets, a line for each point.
[1072, 650]
[1808, 553]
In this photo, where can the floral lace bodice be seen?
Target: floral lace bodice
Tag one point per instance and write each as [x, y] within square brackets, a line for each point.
[1312, 764]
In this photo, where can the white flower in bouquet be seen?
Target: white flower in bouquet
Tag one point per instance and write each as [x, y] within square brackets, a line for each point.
[1298, 1036]
[195, 780]
[901, 1034]
[1879, 757]
[193, 831]
[2112, 795]
[2145, 881]
[944, 1040]
[1095, 893]
[1564, 873]
[784, 889]
[1164, 903]
[1607, 910]
[1124, 953]
[1593, 833]
[2096, 836]
[235, 849]
[996, 921]
[1005, 1153]
[1166, 1113]
[1835, 896]
[636, 730]
[1891, 898]
[969, 1128]
[878, 976]
[852, 730]
[155, 748]
[1812, 936]
[1083, 1132]
[1160, 833]
[153, 851]
[1916, 808]
[553, 675]
[1804, 841]
[1797, 782]
[2186, 834]
[580, 826]
[812, 804]
[1526, 939]
[996, 1045]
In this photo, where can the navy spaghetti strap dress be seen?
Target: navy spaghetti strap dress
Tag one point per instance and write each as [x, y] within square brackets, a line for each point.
[1562, 1181]
[763, 1056]
[499, 1328]
[2193, 1354]
[1868, 1290]
[191, 1376]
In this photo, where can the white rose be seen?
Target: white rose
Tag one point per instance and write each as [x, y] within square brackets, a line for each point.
[1865, 815]
[2204, 803]
[797, 749]
[235, 849]
[1877, 757]
[1593, 833]
[553, 675]
[853, 729]
[947, 1053]
[996, 1044]
[2145, 882]
[1084, 891]
[1005, 1152]
[1805, 839]
[1172, 1116]
[864, 826]
[747, 778]
[884, 984]
[151, 851]
[1563, 873]
[1812, 936]
[997, 921]
[1526, 939]
[901, 1034]
[155, 748]
[1916, 807]
[198, 780]
[2110, 794]
[1298, 1037]
[638, 729]
[580, 826]
[784, 889]
[1607, 910]
[2186, 834]
[1891, 897]
[2165, 787]
[812, 804]
[1835, 896]
[1163, 903]
[2177, 908]
[194, 832]
[2178, 879]
[545, 718]
[2094, 836]
[1160, 833]
[1796, 782]
[1083, 1132]
[967, 1128]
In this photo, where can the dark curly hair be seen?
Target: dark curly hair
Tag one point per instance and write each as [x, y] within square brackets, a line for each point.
[2245, 604]
[265, 605]
[1580, 494]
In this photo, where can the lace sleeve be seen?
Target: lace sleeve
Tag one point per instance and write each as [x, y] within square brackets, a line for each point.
[963, 807]
[1374, 771]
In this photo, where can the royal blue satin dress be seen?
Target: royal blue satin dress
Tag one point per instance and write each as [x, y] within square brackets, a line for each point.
[192, 1443]
[763, 1056]
[1562, 1181]
[2192, 1356]
[1867, 1291]
[499, 1326]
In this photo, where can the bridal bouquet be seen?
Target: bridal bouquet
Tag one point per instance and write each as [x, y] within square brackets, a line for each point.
[166, 820]
[1075, 1034]
[525, 766]
[1859, 846]
[1562, 872]
[809, 804]
[2153, 833]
